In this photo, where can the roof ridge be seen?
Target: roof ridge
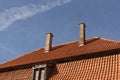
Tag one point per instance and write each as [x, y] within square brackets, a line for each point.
[65, 43]
[74, 41]
[20, 56]
[78, 51]
[110, 40]
[43, 47]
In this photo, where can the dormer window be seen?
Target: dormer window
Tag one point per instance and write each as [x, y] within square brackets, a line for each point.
[39, 72]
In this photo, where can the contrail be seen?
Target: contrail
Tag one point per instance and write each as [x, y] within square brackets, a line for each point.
[9, 16]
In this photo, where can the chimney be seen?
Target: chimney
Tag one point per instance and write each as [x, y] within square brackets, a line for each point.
[82, 34]
[48, 45]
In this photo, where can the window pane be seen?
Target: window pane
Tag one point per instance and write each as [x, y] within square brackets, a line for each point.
[37, 74]
[42, 74]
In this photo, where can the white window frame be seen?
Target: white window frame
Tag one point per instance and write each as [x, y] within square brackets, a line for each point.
[39, 68]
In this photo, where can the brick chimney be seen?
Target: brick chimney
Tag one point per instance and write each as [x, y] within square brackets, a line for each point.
[82, 34]
[48, 45]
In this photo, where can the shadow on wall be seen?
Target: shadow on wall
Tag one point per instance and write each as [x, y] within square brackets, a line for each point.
[52, 71]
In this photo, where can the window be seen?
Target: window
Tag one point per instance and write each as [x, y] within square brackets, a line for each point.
[39, 72]
[42, 74]
[36, 74]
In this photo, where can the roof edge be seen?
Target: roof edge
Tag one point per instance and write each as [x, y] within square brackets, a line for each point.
[20, 56]
[110, 40]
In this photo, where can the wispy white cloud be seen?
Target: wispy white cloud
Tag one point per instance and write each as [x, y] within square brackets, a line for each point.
[11, 15]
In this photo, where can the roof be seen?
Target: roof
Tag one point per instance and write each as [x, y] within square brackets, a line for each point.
[93, 45]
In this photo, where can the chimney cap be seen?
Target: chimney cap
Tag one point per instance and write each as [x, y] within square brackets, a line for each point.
[50, 33]
[82, 23]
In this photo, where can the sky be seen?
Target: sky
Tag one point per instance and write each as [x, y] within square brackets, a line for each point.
[24, 23]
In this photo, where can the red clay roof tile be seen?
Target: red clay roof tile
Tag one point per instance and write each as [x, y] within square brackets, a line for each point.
[64, 51]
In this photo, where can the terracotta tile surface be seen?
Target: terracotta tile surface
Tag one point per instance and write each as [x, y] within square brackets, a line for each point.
[101, 68]
[63, 51]
[118, 66]
[23, 74]
[94, 68]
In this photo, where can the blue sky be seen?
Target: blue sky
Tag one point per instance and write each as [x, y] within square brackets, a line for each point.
[24, 23]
